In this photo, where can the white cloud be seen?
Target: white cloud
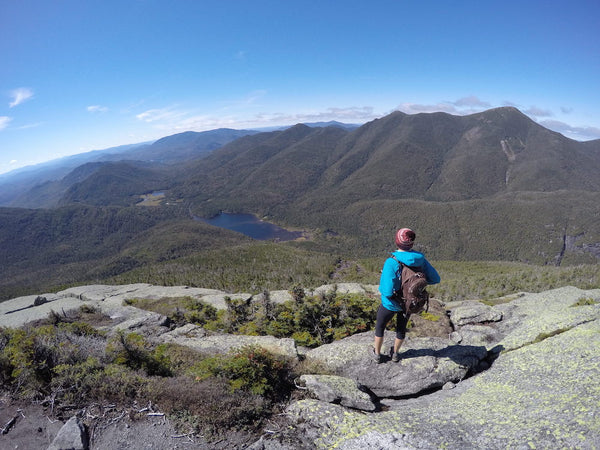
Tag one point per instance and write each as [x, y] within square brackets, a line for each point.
[171, 120]
[416, 108]
[471, 101]
[163, 114]
[254, 96]
[4, 120]
[13, 162]
[351, 114]
[30, 125]
[462, 106]
[579, 133]
[97, 109]
[538, 112]
[19, 96]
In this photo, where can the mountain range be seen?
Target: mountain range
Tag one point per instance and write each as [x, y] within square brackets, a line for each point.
[488, 186]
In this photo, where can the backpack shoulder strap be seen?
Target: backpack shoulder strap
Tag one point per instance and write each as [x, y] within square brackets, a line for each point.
[396, 259]
[401, 265]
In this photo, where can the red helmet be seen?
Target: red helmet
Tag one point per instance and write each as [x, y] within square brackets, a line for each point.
[405, 238]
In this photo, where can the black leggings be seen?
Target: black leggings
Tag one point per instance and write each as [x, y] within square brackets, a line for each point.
[384, 315]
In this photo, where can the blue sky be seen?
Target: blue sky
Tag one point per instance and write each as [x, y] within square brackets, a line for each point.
[81, 75]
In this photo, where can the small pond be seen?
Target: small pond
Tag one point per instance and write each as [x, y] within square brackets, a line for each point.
[251, 226]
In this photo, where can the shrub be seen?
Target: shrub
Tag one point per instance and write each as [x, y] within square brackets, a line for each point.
[313, 321]
[429, 316]
[584, 301]
[250, 368]
[29, 355]
[179, 310]
[130, 350]
[92, 381]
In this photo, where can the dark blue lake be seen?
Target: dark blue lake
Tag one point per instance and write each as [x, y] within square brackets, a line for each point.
[252, 226]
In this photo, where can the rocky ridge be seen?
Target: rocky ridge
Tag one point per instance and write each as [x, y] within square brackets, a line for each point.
[520, 374]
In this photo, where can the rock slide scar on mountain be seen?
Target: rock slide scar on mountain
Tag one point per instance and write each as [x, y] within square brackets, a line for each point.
[390, 286]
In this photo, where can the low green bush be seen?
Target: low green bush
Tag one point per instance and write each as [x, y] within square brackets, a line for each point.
[585, 301]
[250, 368]
[179, 310]
[131, 350]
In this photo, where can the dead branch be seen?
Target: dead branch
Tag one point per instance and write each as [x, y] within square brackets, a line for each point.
[9, 425]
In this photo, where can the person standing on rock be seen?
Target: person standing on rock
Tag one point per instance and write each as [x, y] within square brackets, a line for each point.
[390, 282]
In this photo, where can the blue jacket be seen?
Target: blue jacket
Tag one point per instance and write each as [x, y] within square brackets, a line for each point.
[391, 273]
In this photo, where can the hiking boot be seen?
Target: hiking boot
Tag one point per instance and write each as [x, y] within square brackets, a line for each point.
[377, 357]
[396, 357]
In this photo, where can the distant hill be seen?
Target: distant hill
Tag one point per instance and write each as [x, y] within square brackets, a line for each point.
[29, 187]
[183, 146]
[115, 184]
[15, 183]
[433, 157]
[333, 123]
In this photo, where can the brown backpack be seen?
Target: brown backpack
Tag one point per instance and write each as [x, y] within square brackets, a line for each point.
[415, 297]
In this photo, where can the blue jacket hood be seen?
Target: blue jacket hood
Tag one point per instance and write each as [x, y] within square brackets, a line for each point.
[410, 258]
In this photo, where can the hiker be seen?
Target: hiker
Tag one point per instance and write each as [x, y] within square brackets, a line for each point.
[390, 283]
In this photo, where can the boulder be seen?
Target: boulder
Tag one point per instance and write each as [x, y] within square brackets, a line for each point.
[478, 335]
[334, 389]
[426, 363]
[433, 323]
[133, 320]
[474, 312]
[199, 339]
[276, 297]
[72, 436]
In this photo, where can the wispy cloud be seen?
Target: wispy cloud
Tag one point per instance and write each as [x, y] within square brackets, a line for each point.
[465, 105]
[30, 125]
[352, 114]
[471, 101]
[4, 121]
[254, 96]
[97, 109]
[416, 108]
[19, 96]
[538, 112]
[161, 114]
[579, 133]
[173, 120]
